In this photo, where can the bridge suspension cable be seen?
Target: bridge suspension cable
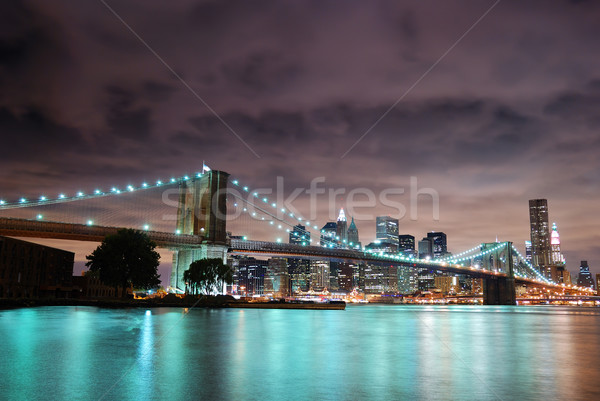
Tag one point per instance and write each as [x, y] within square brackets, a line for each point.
[24, 202]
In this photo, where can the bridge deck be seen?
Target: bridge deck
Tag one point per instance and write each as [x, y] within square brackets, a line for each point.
[81, 232]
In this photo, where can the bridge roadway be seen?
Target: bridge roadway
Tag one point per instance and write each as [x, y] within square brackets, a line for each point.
[82, 232]
[13, 227]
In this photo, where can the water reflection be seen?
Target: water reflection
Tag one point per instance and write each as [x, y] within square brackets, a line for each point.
[364, 352]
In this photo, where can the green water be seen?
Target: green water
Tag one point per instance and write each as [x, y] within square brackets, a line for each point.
[365, 352]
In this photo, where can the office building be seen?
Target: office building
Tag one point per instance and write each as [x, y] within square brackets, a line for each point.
[425, 248]
[345, 276]
[407, 279]
[251, 276]
[299, 269]
[29, 270]
[439, 247]
[277, 279]
[319, 275]
[328, 234]
[380, 278]
[299, 235]
[353, 240]
[299, 273]
[406, 244]
[585, 277]
[528, 251]
[386, 230]
[540, 234]
[447, 284]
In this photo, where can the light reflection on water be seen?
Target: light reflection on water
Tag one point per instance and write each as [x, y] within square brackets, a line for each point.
[364, 352]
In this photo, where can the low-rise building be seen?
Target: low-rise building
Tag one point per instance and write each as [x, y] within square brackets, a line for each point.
[29, 270]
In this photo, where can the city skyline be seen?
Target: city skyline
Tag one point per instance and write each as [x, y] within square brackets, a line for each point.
[509, 115]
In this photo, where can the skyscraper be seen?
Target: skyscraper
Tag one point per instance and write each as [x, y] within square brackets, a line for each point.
[406, 245]
[319, 275]
[353, 241]
[299, 235]
[585, 277]
[425, 248]
[299, 269]
[540, 235]
[251, 276]
[439, 246]
[341, 231]
[557, 257]
[528, 251]
[328, 233]
[386, 230]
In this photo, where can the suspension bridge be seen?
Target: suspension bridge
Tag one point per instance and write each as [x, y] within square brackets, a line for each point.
[196, 227]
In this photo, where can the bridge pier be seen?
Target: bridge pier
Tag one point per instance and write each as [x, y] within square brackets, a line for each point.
[203, 212]
[499, 290]
[182, 258]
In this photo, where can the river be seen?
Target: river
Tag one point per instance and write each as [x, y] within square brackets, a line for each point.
[378, 352]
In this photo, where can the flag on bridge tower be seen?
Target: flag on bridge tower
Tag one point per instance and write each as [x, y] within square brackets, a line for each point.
[205, 168]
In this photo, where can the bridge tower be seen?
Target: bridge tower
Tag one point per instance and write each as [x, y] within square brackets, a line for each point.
[499, 290]
[202, 211]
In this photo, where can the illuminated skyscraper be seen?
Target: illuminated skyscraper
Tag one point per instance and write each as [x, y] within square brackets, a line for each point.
[353, 241]
[528, 251]
[319, 275]
[585, 277]
[328, 233]
[299, 269]
[439, 244]
[341, 231]
[540, 235]
[557, 257]
[386, 230]
[299, 235]
[406, 243]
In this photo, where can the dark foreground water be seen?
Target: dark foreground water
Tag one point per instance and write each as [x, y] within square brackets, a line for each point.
[365, 352]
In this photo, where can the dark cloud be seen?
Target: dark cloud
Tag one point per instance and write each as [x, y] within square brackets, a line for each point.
[511, 113]
[577, 106]
[124, 119]
[33, 133]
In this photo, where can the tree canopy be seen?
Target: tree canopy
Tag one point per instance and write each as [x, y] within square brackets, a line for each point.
[125, 259]
[207, 275]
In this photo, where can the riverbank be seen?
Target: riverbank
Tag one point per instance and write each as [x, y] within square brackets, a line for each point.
[218, 301]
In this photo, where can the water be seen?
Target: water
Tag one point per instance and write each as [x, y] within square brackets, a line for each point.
[365, 352]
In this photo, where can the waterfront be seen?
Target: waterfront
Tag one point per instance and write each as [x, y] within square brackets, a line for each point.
[364, 352]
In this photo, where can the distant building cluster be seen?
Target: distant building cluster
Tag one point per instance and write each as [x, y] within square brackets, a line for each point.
[282, 277]
[293, 276]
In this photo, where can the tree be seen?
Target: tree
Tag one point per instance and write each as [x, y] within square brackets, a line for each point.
[207, 275]
[126, 258]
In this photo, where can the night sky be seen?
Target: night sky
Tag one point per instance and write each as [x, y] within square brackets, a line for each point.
[497, 103]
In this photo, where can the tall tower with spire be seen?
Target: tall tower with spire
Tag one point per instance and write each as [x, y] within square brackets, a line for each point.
[342, 229]
[353, 241]
[556, 256]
